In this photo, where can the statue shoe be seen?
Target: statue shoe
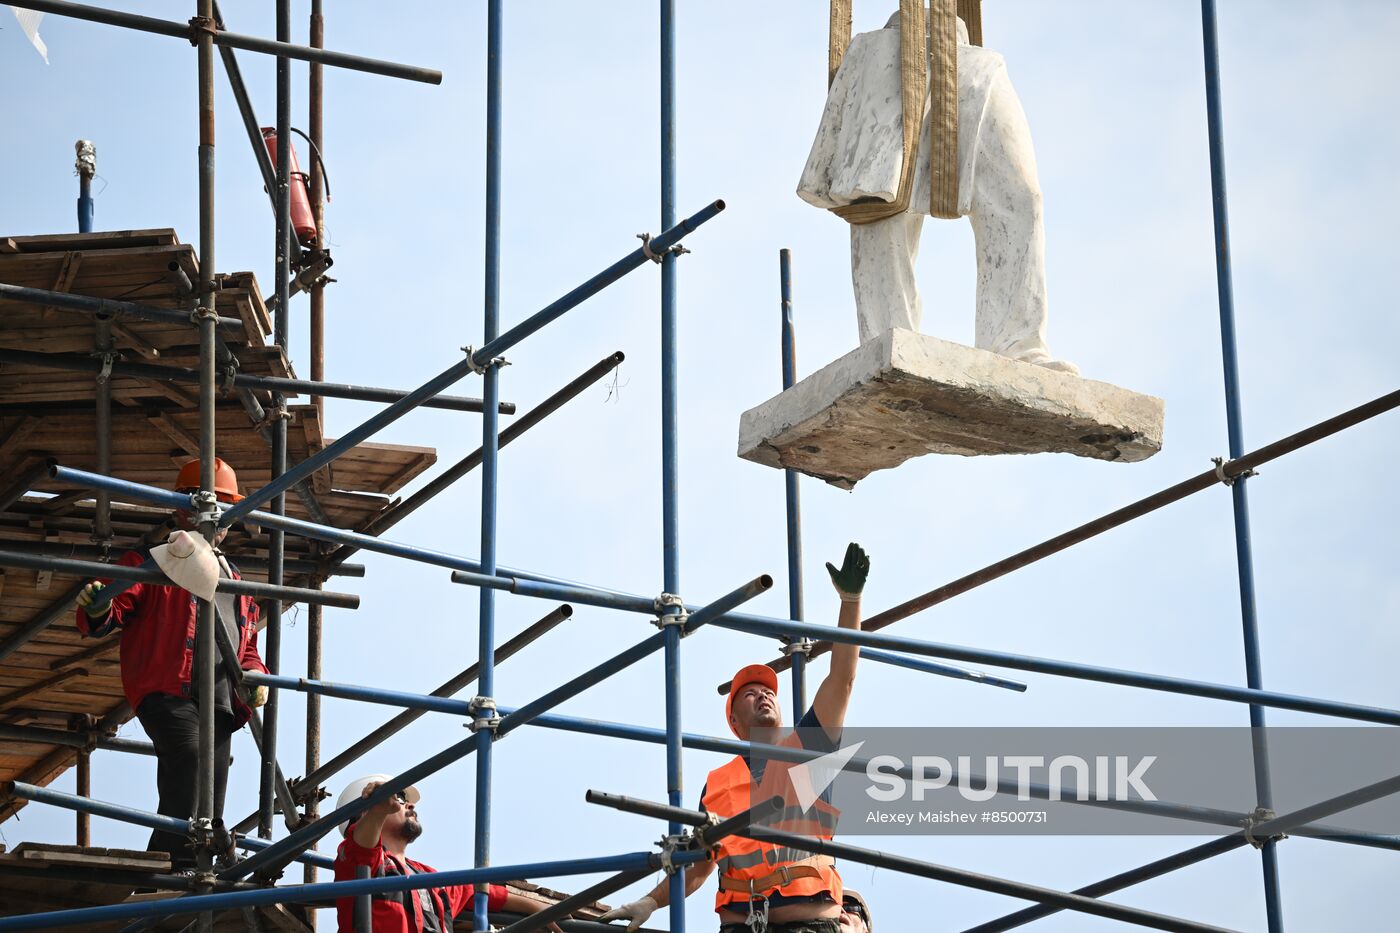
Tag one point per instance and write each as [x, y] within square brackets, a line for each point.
[1059, 366]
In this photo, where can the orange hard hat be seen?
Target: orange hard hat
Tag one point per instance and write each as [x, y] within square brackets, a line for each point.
[752, 674]
[225, 480]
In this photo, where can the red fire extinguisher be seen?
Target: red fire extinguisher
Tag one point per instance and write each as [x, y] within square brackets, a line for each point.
[303, 221]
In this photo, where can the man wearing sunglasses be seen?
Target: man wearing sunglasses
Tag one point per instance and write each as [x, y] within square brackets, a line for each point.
[764, 886]
[855, 915]
[377, 840]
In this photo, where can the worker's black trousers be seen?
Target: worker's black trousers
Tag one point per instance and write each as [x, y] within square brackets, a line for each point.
[173, 726]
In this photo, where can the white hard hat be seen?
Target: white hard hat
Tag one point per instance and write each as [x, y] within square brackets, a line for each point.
[356, 788]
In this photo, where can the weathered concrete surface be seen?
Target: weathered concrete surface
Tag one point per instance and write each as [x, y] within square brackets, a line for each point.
[905, 394]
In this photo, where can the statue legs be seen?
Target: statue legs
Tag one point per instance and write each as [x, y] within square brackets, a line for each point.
[882, 272]
[1007, 218]
[1008, 221]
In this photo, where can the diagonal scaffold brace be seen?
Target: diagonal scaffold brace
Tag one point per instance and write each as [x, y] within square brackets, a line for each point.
[474, 362]
[271, 860]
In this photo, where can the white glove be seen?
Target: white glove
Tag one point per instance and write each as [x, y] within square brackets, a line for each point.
[637, 912]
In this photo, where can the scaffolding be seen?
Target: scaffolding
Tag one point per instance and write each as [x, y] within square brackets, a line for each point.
[248, 882]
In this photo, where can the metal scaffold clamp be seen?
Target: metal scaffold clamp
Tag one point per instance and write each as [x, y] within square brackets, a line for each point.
[1259, 816]
[700, 835]
[802, 646]
[205, 505]
[229, 373]
[653, 255]
[669, 846]
[478, 368]
[273, 415]
[108, 357]
[479, 705]
[1224, 477]
[202, 312]
[670, 610]
[201, 26]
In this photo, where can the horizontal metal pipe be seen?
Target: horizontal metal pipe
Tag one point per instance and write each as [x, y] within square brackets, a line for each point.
[309, 893]
[1107, 675]
[178, 30]
[34, 735]
[365, 694]
[115, 811]
[1152, 503]
[87, 364]
[655, 736]
[979, 881]
[616, 730]
[602, 280]
[641, 807]
[95, 570]
[942, 670]
[107, 307]
[245, 562]
[580, 594]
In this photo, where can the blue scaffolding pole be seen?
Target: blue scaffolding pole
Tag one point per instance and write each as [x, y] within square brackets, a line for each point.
[797, 650]
[484, 726]
[670, 457]
[1244, 555]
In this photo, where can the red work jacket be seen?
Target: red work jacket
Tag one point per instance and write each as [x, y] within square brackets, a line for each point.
[157, 649]
[390, 912]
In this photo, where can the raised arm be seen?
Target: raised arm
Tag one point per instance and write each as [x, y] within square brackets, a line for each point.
[371, 822]
[834, 694]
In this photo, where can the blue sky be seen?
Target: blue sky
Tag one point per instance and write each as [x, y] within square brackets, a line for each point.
[1115, 97]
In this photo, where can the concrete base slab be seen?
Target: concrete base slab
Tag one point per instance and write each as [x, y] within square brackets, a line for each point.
[906, 394]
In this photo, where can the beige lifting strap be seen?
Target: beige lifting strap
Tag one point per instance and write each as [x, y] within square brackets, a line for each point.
[914, 71]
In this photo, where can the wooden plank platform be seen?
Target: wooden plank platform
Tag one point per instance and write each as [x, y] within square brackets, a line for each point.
[36, 878]
[58, 679]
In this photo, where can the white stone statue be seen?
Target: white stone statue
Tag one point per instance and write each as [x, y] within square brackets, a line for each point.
[858, 156]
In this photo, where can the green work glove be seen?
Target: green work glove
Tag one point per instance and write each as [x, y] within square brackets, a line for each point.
[91, 602]
[850, 579]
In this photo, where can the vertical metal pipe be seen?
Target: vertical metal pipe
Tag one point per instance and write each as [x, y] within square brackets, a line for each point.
[363, 916]
[315, 128]
[490, 442]
[796, 611]
[1244, 556]
[204, 810]
[84, 836]
[272, 608]
[86, 166]
[670, 447]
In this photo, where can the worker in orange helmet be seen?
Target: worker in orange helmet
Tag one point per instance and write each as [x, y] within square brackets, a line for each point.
[764, 886]
[158, 663]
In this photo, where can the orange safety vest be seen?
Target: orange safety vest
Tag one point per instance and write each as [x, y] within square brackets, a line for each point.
[756, 868]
